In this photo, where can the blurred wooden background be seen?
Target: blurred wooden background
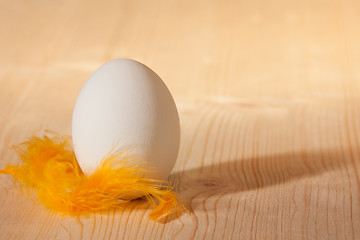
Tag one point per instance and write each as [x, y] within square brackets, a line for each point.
[268, 95]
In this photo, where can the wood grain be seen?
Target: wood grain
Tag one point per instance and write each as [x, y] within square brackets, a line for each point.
[268, 96]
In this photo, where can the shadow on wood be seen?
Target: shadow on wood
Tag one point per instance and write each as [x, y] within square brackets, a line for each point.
[243, 175]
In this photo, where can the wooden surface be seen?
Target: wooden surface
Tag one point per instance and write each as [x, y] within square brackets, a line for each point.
[268, 95]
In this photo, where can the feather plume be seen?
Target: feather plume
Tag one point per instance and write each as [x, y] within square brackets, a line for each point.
[51, 169]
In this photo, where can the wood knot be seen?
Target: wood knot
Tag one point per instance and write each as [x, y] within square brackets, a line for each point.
[210, 183]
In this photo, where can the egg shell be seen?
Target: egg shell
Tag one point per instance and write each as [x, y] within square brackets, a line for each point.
[125, 104]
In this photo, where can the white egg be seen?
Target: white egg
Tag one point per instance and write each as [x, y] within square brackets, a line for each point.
[125, 104]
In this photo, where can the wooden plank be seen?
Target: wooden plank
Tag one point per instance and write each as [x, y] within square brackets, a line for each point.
[268, 95]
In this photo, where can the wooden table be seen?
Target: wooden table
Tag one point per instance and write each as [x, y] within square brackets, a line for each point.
[268, 96]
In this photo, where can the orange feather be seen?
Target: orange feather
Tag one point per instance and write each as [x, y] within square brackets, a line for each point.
[51, 169]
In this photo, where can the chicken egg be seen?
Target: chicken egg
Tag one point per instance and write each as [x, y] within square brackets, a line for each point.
[124, 104]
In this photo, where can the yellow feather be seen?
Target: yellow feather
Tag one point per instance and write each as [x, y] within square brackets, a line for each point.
[51, 169]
